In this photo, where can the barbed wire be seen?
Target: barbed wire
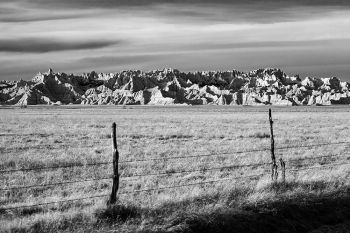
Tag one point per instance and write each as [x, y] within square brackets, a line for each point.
[55, 167]
[51, 203]
[196, 170]
[166, 158]
[129, 161]
[193, 156]
[53, 184]
[225, 167]
[191, 184]
[163, 188]
[174, 172]
[228, 153]
[316, 167]
[132, 176]
[312, 158]
[313, 145]
[129, 192]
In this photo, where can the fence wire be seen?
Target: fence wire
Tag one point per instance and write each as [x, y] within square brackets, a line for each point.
[55, 167]
[228, 153]
[53, 184]
[196, 170]
[312, 145]
[317, 167]
[191, 184]
[167, 158]
[165, 172]
[164, 188]
[312, 158]
[132, 176]
[128, 192]
[50, 203]
[177, 172]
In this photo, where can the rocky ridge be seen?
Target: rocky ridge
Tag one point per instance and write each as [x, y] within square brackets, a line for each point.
[169, 86]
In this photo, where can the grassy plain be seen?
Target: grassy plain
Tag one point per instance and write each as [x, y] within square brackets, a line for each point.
[41, 136]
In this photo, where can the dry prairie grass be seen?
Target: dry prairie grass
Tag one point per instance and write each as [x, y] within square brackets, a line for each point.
[55, 136]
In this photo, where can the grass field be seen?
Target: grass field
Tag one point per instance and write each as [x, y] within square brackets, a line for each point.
[43, 136]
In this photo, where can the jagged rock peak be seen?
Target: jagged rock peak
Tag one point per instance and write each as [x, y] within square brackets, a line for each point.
[171, 86]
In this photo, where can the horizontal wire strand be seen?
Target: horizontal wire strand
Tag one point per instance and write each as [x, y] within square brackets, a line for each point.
[166, 173]
[129, 192]
[51, 203]
[131, 176]
[192, 184]
[167, 158]
[55, 167]
[53, 184]
[316, 167]
[313, 158]
[170, 173]
[313, 145]
[228, 153]
[164, 188]
[196, 170]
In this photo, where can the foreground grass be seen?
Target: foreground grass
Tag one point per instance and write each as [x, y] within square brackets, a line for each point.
[290, 207]
[39, 137]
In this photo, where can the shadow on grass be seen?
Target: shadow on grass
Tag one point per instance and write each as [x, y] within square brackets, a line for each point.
[300, 213]
[313, 206]
[118, 213]
[279, 217]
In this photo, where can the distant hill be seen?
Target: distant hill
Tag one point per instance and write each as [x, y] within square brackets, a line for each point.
[170, 86]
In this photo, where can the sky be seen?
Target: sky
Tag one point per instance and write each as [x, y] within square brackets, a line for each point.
[306, 37]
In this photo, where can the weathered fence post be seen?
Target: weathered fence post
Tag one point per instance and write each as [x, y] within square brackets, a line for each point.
[283, 168]
[113, 197]
[274, 172]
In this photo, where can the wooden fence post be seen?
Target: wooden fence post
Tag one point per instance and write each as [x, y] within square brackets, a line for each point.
[283, 168]
[274, 172]
[113, 197]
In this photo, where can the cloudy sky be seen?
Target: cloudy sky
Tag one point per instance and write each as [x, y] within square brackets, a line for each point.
[306, 37]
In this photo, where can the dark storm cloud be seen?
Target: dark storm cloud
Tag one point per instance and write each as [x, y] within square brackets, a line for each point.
[40, 45]
[8, 11]
[118, 3]
[19, 14]
[33, 18]
[200, 10]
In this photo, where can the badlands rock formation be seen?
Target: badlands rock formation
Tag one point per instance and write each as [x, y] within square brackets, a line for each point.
[169, 86]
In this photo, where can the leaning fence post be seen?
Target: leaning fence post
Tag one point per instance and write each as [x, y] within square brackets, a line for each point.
[274, 173]
[113, 197]
[283, 168]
